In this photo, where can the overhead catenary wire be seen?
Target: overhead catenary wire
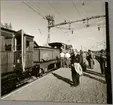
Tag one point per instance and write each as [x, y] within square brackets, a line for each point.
[38, 8]
[76, 9]
[70, 22]
[50, 4]
[34, 9]
[62, 28]
[53, 8]
[88, 18]
[40, 31]
[92, 25]
[72, 38]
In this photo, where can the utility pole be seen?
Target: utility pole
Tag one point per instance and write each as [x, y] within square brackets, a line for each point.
[82, 20]
[50, 20]
[51, 24]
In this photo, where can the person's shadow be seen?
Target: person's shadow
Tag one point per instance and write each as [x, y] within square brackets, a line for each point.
[95, 78]
[68, 81]
[94, 73]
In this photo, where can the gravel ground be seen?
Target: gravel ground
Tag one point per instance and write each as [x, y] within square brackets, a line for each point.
[55, 87]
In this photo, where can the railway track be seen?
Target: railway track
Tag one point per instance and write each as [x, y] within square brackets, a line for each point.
[27, 81]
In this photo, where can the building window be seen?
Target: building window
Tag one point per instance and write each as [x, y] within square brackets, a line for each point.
[8, 45]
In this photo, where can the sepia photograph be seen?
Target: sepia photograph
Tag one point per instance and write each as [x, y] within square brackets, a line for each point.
[55, 51]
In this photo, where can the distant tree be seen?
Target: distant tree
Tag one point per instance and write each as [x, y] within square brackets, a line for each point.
[6, 25]
[1, 25]
[10, 26]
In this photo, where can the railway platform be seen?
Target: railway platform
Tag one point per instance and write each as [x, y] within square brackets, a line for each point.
[55, 87]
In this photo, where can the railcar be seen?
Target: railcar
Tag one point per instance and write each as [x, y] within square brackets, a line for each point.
[47, 58]
[16, 50]
[62, 46]
[22, 57]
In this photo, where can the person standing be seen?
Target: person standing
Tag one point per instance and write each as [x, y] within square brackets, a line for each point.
[83, 60]
[76, 70]
[62, 58]
[102, 61]
[67, 55]
[90, 59]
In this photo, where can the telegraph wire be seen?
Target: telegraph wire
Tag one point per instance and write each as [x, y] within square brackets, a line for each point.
[53, 8]
[72, 38]
[62, 28]
[77, 9]
[37, 6]
[34, 10]
[40, 31]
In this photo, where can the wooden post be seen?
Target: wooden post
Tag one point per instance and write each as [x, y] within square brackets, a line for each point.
[13, 43]
[55, 66]
[22, 50]
[24, 56]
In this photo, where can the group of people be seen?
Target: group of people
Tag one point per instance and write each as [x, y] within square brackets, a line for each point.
[65, 59]
[83, 58]
[77, 61]
[103, 61]
[90, 59]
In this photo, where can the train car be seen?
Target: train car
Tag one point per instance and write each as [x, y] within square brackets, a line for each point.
[21, 57]
[16, 57]
[62, 46]
[47, 58]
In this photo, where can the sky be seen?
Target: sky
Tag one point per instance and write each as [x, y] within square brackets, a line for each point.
[21, 16]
